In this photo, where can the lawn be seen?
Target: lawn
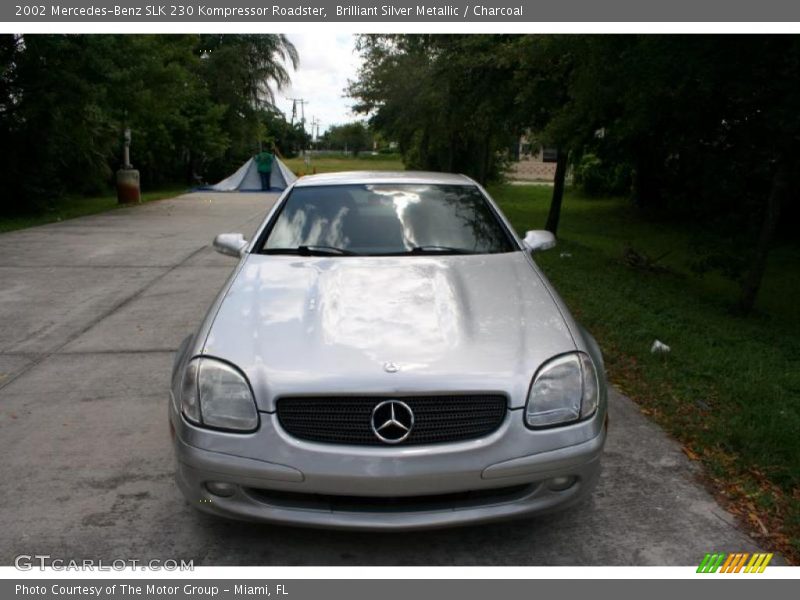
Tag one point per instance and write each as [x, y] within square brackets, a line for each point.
[80, 206]
[729, 388]
[342, 162]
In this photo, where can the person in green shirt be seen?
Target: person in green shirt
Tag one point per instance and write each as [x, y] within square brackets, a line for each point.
[264, 162]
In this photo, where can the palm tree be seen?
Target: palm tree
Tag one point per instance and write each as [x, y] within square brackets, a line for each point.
[254, 64]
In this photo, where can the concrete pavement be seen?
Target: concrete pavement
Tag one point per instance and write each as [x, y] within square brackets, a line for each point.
[91, 310]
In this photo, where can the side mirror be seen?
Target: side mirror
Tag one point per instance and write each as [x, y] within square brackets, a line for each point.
[539, 240]
[230, 244]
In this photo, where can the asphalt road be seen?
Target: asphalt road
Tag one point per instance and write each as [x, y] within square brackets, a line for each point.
[91, 311]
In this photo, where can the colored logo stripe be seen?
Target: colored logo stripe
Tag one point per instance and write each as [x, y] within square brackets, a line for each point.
[711, 563]
[758, 563]
[733, 563]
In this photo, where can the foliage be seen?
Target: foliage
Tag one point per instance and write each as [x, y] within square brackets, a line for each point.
[709, 126]
[289, 138]
[195, 105]
[440, 97]
[698, 128]
[598, 178]
[350, 137]
[240, 72]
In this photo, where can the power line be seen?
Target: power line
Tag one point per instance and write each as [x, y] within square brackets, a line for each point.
[302, 102]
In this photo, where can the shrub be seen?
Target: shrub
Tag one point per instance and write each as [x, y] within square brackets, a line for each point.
[599, 178]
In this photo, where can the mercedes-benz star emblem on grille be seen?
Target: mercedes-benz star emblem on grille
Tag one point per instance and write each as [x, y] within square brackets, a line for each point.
[390, 367]
[392, 421]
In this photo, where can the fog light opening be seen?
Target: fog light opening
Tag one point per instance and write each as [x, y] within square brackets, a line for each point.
[560, 484]
[221, 489]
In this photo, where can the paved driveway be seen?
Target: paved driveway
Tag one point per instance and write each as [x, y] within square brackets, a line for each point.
[90, 312]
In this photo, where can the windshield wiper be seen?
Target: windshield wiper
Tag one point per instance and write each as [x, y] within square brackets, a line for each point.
[311, 251]
[439, 250]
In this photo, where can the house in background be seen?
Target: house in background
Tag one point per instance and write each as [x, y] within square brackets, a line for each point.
[533, 162]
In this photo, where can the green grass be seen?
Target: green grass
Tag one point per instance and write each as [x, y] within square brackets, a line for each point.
[730, 388]
[334, 163]
[72, 207]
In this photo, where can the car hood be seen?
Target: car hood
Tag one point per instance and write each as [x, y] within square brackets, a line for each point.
[387, 325]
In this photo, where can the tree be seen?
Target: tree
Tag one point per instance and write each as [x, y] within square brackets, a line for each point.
[440, 97]
[559, 182]
[288, 138]
[350, 137]
[177, 128]
[194, 105]
[709, 126]
[240, 72]
[56, 136]
[457, 103]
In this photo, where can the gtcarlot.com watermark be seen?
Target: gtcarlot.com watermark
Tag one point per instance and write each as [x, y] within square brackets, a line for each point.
[29, 562]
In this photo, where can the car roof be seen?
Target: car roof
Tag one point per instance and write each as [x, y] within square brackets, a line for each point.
[362, 177]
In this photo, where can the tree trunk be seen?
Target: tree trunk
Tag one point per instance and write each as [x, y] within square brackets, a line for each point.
[189, 168]
[751, 282]
[646, 187]
[485, 155]
[424, 159]
[451, 151]
[554, 215]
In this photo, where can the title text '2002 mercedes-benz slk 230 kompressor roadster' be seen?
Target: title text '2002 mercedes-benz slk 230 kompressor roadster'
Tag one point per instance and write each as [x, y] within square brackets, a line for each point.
[387, 355]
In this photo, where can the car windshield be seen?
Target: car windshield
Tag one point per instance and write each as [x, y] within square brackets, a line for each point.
[387, 219]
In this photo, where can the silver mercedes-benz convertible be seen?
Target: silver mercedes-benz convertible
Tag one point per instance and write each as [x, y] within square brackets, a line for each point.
[387, 355]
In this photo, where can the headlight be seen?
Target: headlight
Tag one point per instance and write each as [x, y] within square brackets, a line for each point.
[563, 391]
[215, 394]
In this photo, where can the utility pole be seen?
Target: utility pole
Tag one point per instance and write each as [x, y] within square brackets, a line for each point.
[302, 102]
[315, 132]
[314, 141]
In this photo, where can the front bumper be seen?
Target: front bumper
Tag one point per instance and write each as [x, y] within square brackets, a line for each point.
[280, 479]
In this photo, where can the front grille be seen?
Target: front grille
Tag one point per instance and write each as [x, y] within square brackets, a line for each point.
[403, 504]
[347, 419]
